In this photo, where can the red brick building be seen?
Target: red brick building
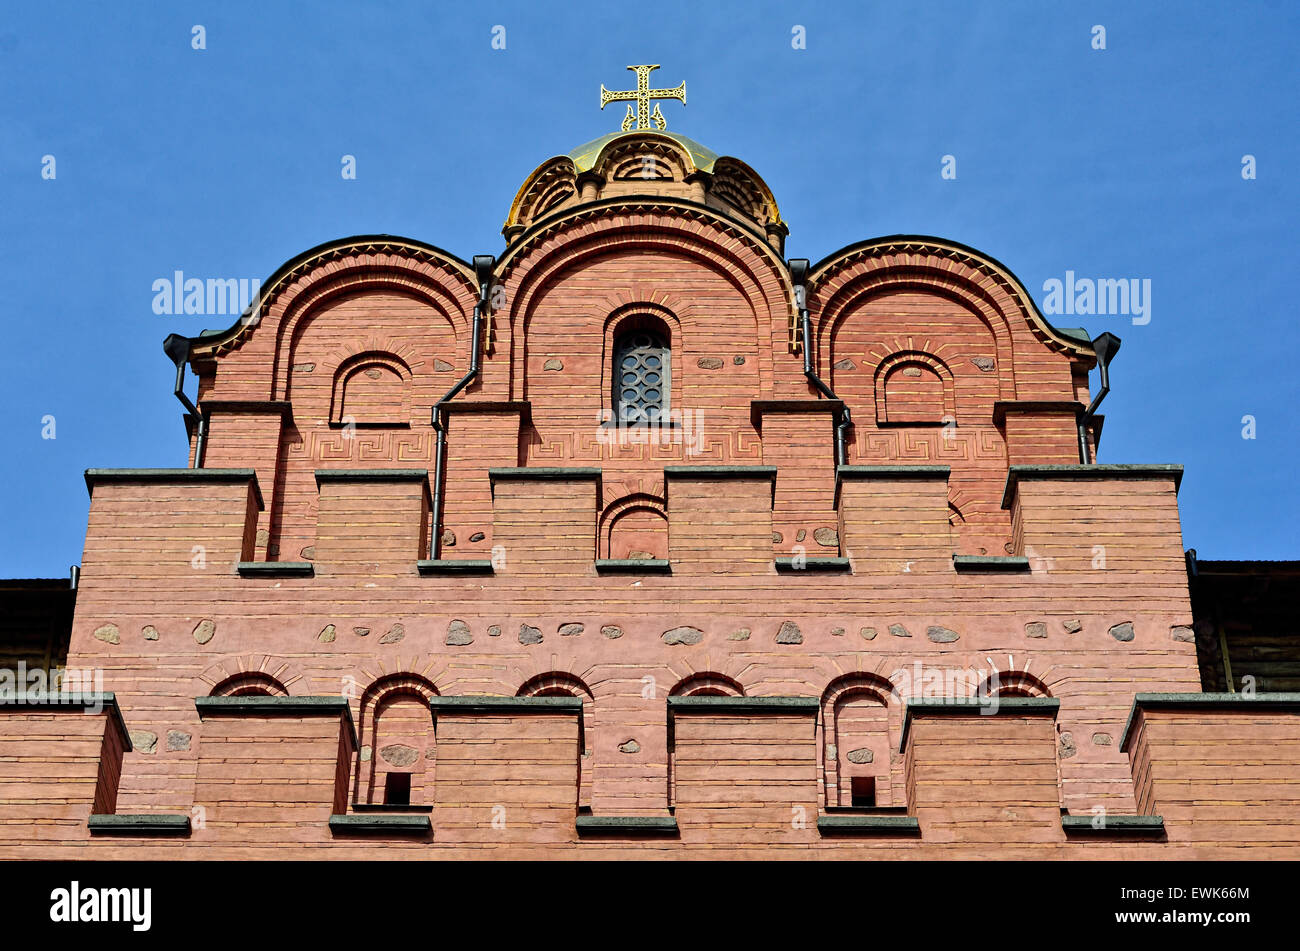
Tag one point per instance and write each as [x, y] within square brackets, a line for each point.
[639, 539]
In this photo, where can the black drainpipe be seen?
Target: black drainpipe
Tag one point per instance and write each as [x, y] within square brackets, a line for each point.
[483, 265]
[1106, 345]
[799, 276]
[177, 347]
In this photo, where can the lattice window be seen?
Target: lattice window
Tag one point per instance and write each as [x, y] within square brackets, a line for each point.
[641, 377]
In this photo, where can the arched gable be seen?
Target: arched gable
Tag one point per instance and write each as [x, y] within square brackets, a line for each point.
[292, 297]
[749, 266]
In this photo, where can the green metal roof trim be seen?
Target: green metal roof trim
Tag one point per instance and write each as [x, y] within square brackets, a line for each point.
[585, 156]
[152, 824]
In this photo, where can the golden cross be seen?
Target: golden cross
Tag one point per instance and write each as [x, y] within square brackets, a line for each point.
[642, 96]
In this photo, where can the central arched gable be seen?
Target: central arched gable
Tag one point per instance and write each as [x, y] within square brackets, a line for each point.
[746, 262]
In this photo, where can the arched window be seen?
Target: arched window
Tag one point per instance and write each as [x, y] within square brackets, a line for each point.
[398, 742]
[861, 721]
[641, 375]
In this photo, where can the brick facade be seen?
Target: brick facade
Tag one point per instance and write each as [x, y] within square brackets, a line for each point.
[593, 640]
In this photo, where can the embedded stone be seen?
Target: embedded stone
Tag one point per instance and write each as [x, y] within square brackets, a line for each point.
[449, 538]
[143, 741]
[441, 366]
[1102, 739]
[941, 635]
[1036, 629]
[458, 634]
[262, 536]
[738, 360]
[827, 537]
[845, 364]
[837, 632]
[868, 633]
[683, 635]
[1122, 632]
[309, 552]
[832, 751]
[178, 740]
[1068, 748]
[529, 634]
[374, 374]
[150, 632]
[571, 629]
[709, 363]
[899, 631]
[801, 534]
[399, 754]
[636, 555]
[1181, 632]
[612, 631]
[365, 754]
[1072, 626]
[303, 367]
[477, 537]
[983, 363]
[359, 631]
[395, 634]
[629, 746]
[494, 630]
[789, 633]
[553, 364]
[777, 538]
[205, 630]
[328, 633]
[740, 634]
[109, 634]
[863, 755]
[911, 371]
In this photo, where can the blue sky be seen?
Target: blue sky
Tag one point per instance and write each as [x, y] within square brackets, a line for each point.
[1116, 163]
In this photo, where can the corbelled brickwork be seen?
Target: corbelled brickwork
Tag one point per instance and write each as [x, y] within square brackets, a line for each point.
[754, 630]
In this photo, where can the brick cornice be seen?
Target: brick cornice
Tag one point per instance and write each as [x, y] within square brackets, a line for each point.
[282, 408]
[808, 706]
[1017, 474]
[1002, 408]
[96, 477]
[760, 408]
[975, 707]
[72, 703]
[268, 706]
[474, 705]
[1234, 702]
